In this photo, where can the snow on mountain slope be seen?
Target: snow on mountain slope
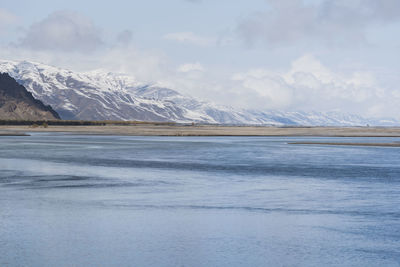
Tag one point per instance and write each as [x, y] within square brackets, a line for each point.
[101, 95]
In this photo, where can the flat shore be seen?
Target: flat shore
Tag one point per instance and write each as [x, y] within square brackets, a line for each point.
[207, 130]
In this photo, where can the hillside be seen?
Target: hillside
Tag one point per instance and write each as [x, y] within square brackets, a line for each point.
[16, 103]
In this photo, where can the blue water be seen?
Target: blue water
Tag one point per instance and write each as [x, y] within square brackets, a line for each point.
[71, 200]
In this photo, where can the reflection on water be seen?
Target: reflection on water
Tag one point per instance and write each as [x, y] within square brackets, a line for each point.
[69, 200]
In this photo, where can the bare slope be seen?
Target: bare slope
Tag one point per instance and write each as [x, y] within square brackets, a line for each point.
[16, 103]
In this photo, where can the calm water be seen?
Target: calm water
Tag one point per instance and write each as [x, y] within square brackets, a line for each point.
[69, 200]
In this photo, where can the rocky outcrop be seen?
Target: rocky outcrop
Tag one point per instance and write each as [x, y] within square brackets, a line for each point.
[16, 103]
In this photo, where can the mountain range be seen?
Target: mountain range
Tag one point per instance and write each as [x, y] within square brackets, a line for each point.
[102, 95]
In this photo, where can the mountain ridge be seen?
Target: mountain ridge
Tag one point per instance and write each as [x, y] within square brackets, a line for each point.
[102, 95]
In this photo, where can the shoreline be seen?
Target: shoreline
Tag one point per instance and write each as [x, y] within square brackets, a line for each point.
[205, 130]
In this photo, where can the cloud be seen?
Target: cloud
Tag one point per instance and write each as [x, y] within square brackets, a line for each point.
[190, 67]
[271, 90]
[63, 31]
[189, 38]
[331, 22]
[309, 85]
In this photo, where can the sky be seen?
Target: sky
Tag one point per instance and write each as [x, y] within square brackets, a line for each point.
[289, 55]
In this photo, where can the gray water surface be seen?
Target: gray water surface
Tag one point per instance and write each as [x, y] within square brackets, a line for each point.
[70, 200]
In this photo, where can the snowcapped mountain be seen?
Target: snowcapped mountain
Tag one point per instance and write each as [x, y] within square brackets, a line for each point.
[101, 95]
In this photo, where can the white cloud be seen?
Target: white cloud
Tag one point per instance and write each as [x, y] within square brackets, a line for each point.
[306, 85]
[63, 31]
[272, 90]
[189, 38]
[189, 67]
[309, 85]
[308, 64]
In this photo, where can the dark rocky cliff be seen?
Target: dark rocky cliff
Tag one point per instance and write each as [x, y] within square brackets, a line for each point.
[16, 103]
